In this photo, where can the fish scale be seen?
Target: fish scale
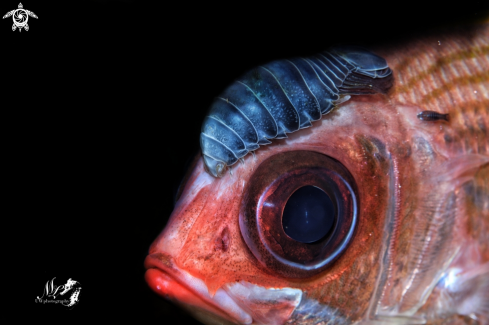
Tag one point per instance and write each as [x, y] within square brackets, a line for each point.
[462, 93]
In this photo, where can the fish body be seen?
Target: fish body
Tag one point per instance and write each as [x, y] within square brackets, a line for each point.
[419, 250]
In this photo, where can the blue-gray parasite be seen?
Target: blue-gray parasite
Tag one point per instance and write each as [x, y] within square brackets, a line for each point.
[284, 96]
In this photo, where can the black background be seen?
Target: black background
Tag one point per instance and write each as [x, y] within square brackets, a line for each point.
[102, 103]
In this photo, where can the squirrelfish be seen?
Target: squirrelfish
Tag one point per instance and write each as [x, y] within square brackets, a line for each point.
[370, 216]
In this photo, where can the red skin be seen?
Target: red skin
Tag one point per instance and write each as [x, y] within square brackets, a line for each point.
[203, 235]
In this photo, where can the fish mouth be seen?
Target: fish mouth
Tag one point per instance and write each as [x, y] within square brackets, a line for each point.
[172, 283]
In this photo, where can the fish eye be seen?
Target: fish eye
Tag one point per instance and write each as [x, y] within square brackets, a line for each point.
[298, 213]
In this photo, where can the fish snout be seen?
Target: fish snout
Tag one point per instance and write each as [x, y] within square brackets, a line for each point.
[191, 293]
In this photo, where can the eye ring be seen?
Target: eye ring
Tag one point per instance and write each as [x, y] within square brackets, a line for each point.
[264, 199]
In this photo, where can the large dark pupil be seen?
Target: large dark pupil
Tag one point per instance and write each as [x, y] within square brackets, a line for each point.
[308, 215]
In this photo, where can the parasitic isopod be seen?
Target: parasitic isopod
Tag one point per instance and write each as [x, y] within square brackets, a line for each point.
[284, 96]
[430, 116]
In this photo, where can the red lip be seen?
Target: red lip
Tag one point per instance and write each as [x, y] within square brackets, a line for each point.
[171, 283]
[167, 287]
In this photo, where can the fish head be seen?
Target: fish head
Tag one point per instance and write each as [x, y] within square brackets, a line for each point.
[408, 242]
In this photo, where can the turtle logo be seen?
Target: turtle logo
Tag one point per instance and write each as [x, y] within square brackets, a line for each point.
[20, 17]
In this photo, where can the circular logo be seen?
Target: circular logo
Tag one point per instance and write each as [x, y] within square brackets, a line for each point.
[20, 17]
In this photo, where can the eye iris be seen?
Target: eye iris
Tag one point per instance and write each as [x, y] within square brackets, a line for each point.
[309, 215]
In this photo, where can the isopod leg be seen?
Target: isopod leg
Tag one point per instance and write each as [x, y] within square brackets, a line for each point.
[341, 100]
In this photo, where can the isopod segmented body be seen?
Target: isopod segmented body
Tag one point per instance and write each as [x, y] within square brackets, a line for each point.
[284, 96]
